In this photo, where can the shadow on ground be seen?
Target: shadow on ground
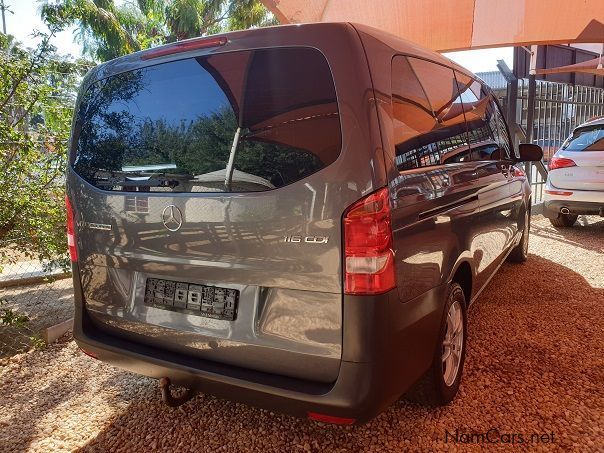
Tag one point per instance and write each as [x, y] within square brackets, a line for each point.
[534, 366]
[587, 234]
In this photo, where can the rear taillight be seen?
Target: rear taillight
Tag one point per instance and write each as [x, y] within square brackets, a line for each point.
[330, 419]
[94, 355]
[561, 162]
[369, 260]
[71, 239]
[185, 46]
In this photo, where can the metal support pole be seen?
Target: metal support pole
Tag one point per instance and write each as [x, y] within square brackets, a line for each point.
[530, 118]
[512, 107]
[512, 94]
[3, 8]
[530, 114]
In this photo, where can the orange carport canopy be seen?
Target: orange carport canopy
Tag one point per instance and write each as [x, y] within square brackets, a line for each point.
[595, 66]
[445, 25]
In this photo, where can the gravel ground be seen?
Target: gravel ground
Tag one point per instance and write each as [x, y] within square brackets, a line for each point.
[45, 304]
[535, 364]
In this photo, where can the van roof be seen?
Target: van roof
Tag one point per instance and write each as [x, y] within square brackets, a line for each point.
[407, 47]
[135, 60]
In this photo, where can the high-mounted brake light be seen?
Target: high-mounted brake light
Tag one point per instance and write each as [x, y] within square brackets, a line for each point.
[71, 239]
[184, 46]
[369, 260]
[561, 162]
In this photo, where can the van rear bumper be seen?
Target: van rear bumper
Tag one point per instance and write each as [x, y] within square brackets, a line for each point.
[387, 346]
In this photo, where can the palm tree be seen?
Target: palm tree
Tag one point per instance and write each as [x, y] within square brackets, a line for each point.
[107, 30]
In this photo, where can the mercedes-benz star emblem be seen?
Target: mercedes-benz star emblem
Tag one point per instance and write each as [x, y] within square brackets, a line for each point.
[172, 218]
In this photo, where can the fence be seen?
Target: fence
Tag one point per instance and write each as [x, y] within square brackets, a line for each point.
[559, 108]
[34, 296]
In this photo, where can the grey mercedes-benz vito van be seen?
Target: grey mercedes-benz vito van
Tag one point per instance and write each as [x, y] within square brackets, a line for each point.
[293, 217]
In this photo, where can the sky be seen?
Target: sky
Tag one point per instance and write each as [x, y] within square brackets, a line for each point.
[484, 59]
[26, 18]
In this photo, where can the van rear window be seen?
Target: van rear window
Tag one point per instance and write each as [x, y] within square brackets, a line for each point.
[232, 122]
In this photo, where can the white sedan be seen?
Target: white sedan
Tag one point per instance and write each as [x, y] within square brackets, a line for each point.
[575, 183]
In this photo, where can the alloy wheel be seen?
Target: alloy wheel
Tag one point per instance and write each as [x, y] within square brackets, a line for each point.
[453, 343]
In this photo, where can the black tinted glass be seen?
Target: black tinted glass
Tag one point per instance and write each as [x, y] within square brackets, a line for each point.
[175, 126]
[586, 139]
[487, 133]
[429, 126]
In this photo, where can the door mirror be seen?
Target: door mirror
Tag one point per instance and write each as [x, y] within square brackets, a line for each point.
[530, 152]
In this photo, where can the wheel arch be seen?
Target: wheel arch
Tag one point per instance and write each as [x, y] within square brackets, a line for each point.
[464, 276]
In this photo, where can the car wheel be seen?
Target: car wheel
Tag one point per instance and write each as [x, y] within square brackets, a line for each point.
[519, 254]
[564, 220]
[440, 384]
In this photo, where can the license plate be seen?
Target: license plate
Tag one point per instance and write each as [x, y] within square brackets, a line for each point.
[208, 301]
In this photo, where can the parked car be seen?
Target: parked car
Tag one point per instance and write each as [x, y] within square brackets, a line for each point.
[332, 268]
[575, 182]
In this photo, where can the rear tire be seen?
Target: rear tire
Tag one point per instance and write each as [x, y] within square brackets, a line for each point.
[519, 254]
[440, 384]
[564, 220]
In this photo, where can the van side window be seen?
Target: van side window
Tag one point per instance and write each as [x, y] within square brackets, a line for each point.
[487, 138]
[429, 126]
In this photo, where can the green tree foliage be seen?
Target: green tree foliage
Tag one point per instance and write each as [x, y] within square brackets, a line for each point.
[107, 30]
[37, 92]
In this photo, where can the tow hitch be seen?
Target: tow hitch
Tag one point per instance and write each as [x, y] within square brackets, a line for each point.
[169, 399]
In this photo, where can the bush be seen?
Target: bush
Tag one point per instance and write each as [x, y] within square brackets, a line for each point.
[37, 94]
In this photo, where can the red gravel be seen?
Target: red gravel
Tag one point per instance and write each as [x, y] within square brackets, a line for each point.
[535, 364]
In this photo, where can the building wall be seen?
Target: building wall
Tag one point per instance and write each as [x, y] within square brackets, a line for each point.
[555, 56]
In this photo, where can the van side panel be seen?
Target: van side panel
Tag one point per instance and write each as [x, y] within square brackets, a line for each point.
[438, 218]
[421, 198]
[436, 212]
[420, 259]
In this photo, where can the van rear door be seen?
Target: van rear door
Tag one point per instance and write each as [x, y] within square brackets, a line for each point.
[206, 221]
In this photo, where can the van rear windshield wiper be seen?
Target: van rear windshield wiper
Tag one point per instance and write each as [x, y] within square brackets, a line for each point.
[138, 179]
[151, 182]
